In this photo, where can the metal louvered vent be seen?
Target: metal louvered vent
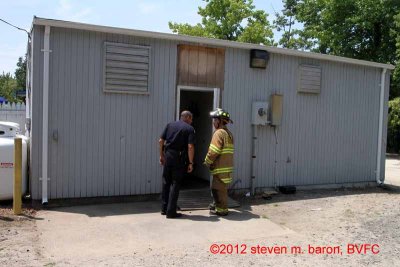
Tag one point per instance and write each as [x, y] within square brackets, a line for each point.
[126, 68]
[309, 79]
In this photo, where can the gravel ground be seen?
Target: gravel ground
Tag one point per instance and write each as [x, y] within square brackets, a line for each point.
[318, 218]
[323, 218]
[18, 238]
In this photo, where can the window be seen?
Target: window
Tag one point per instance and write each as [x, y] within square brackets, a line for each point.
[309, 79]
[126, 68]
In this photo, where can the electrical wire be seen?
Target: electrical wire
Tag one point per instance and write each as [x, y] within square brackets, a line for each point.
[6, 22]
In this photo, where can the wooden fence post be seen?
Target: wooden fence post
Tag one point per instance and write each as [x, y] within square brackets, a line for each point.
[17, 198]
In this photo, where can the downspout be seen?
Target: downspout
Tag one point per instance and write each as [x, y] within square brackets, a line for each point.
[380, 131]
[46, 60]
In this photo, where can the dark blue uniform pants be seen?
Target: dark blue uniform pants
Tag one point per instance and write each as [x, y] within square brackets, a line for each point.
[172, 179]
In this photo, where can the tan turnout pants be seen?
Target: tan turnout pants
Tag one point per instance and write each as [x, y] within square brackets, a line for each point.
[219, 191]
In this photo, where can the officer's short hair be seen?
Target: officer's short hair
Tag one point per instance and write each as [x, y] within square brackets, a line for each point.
[186, 114]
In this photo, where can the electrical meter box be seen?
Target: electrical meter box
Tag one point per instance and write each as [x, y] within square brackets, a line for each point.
[260, 113]
[276, 109]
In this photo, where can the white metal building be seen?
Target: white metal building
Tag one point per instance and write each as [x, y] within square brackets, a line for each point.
[100, 97]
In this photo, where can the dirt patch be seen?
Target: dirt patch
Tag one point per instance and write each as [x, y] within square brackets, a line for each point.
[18, 238]
[340, 218]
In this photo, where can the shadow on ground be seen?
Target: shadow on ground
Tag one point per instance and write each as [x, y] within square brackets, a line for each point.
[151, 207]
[243, 213]
[238, 214]
[247, 202]
[143, 204]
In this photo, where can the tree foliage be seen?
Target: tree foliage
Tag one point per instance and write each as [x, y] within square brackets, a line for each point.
[20, 73]
[291, 37]
[393, 140]
[235, 20]
[395, 83]
[353, 28]
[8, 86]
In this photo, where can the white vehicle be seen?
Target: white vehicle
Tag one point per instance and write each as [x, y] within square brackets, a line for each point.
[8, 131]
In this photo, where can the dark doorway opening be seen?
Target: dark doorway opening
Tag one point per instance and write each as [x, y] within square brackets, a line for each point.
[200, 104]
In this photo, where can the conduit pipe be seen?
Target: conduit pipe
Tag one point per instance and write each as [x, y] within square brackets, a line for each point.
[253, 159]
[46, 62]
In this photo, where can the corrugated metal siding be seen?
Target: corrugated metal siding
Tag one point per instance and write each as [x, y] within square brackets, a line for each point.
[325, 138]
[107, 143]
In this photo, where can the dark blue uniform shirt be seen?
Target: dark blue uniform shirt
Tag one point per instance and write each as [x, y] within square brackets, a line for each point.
[177, 136]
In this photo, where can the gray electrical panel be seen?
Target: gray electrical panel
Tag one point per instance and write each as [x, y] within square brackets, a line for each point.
[260, 113]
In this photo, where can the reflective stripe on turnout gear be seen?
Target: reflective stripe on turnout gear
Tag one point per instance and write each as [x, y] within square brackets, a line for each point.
[208, 161]
[222, 170]
[215, 149]
[226, 180]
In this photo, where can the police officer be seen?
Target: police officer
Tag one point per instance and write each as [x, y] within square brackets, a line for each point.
[176, 155]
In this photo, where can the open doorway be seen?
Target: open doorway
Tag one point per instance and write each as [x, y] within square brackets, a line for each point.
[199, 101]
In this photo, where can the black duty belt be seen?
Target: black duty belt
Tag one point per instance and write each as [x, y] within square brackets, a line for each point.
[180, 152]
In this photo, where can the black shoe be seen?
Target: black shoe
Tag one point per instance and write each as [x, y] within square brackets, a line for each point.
[163, 213]
[211, 206]
[173, 216]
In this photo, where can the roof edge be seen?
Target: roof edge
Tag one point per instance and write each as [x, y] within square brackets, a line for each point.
[204, 41]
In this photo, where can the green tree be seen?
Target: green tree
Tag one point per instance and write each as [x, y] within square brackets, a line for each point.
[395, 83]
[20, 73]
[353, 28]
[8, 86]
[235, 20]
[393, 140]
[284, 22]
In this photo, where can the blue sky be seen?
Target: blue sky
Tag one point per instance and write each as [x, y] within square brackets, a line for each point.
[151, 15]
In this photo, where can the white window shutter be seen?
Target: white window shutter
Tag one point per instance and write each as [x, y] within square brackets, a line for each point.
[309, 79]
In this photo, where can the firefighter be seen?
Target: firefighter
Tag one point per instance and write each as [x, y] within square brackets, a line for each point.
[219, 159]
